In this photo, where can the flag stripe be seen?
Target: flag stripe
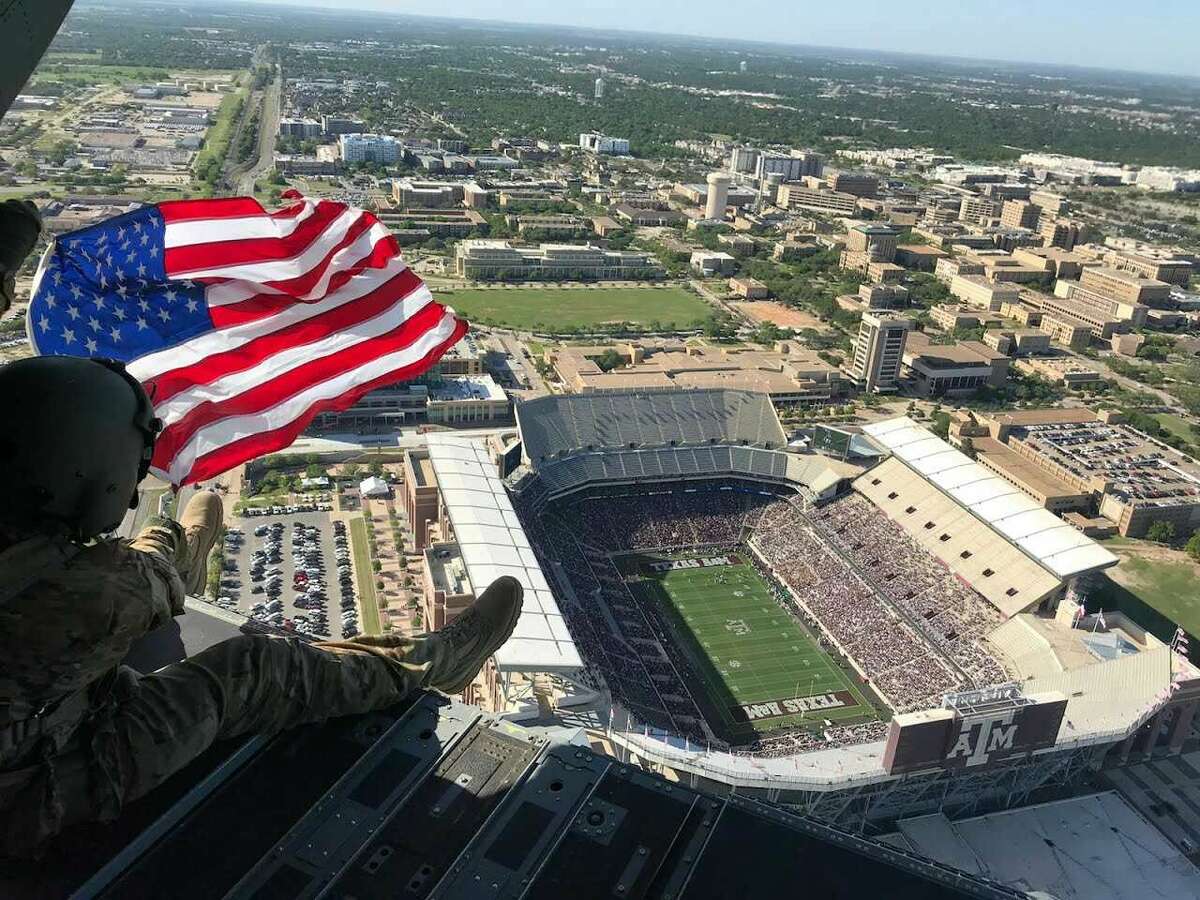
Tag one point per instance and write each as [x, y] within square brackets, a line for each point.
[405, 291]
[220, 208]
[220, 260]
[203, 231]
[226, 444]
[372, 250]
[249, 250]
[368, 251]
[189, 352]
[256, 398]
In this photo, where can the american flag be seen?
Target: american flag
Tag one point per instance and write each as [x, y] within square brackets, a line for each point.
[242, 324]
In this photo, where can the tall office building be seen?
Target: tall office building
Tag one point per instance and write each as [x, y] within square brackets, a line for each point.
[718, 195]
[377, 148]
[599, 88]
[744, 160]
[878, 352]
[742, 67]
[1020, 214]
[793, 167]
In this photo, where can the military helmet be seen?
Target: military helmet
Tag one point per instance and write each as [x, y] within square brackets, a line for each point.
[78, 437]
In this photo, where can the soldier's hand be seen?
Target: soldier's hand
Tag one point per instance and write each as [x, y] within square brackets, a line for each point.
[20, 225]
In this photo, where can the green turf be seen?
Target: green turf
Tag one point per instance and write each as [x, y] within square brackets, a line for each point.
[537, 308]
[745, 647]
[364, 577]
[1170, 589]
[1178, 426]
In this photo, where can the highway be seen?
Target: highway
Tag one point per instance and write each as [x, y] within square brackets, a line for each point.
[268, 129]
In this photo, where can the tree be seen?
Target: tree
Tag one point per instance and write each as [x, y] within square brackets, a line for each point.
[609, 360]
[314, 470]
[1161, 532]
[352, 470]
[1193, 546]
[376, 469]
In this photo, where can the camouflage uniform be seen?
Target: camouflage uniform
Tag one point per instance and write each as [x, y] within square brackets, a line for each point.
[81, 735]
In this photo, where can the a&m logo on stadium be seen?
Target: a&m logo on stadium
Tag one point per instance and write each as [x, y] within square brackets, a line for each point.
[974, 729]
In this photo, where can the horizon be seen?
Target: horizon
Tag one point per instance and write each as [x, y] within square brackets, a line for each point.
[639, 26]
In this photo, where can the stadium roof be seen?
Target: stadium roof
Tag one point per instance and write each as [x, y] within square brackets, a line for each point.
[1085, 848]
[493, 543]
[1043, 536]
[562, 425]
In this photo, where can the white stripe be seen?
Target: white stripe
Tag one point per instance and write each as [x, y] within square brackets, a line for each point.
[192, 351]
[43, 265]
[230, 292]
[285, 360]
[205, 231]
[234, 292]
[283, 269]
[226, 431]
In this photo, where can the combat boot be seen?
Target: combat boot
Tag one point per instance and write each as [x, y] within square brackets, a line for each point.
[201, 523]
[459, 650]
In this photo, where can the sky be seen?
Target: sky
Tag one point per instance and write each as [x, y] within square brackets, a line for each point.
[1150, 36]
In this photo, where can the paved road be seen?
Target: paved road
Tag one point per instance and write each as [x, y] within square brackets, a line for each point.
[268, 130]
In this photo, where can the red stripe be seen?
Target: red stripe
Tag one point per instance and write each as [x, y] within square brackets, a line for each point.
[385, 250]
[233, 252]
[250, 354]
[221, 208]
[251, 447]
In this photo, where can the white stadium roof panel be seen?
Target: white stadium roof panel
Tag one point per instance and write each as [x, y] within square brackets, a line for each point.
[1030, 523]
[933, 463]
[1039, 533]
[493, 543]
[979, 491]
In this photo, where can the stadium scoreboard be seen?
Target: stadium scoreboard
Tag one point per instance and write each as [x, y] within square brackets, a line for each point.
[974, 729]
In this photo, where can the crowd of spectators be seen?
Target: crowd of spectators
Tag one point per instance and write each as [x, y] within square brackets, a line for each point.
[948, 613]
[664, 520]
[899, 663]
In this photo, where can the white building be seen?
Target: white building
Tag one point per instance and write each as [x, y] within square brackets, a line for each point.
[1162, 178]
[599, 88]
[603, 144]
[744, 160]
[377, 148]
[878, 353]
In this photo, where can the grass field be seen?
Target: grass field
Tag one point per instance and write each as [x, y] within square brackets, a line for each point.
[537, 308]
[364, 577]
[755, 661]
[1178, 426]
[1157, 593]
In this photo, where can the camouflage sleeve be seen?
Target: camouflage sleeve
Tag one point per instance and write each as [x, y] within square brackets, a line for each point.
[162, 542]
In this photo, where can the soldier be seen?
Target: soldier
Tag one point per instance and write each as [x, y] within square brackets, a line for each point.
[79, 734]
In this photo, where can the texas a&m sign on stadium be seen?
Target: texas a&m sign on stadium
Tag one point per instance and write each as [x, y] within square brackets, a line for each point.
[974, 729]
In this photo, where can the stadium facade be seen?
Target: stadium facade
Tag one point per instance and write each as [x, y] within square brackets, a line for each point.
[950, 599]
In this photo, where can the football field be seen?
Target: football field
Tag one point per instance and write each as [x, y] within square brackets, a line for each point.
[759, 668]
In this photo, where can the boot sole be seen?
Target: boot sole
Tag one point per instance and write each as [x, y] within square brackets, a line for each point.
[508, 630]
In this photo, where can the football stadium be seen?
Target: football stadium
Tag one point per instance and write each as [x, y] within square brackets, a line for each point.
[860, 636]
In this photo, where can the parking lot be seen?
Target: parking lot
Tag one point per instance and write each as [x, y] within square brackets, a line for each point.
[291, 570]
